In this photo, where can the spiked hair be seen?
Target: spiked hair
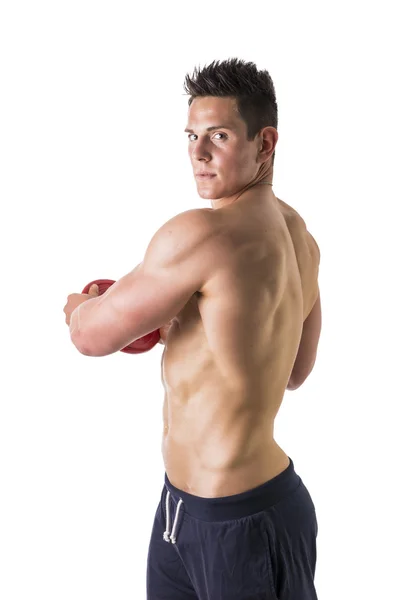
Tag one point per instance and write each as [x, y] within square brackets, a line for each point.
[253, 90]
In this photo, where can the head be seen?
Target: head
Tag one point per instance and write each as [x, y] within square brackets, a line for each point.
[232, 127]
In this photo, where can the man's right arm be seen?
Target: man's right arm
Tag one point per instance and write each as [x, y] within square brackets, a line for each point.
[307, 352]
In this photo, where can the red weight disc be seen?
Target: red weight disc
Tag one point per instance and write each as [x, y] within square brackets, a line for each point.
[143, 344]
[103, 284]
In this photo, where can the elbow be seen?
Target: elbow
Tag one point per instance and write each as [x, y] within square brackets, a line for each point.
[77, 342]
[293, 384]
[301, 370]
[296, 379]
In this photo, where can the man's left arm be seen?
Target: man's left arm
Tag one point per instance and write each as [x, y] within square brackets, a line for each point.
[176, 264]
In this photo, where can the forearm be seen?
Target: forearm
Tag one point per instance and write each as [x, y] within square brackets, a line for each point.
[75, 322]
[80, 318]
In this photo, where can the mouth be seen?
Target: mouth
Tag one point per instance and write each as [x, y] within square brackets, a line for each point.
[205, 176]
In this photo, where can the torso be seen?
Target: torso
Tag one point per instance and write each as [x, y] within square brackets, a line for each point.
[229, 353]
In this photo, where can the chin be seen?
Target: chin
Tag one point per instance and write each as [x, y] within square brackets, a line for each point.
[207, 195]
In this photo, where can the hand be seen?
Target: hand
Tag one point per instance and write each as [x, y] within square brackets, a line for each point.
[75, 300]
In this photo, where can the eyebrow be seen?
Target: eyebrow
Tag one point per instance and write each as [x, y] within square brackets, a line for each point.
[212, 128]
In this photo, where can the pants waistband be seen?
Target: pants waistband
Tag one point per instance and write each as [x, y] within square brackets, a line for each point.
[238, 505]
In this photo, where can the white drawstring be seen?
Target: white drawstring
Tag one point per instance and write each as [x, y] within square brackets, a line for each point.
[166, 536]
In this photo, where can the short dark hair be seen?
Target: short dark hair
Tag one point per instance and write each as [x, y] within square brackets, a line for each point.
[253, 90]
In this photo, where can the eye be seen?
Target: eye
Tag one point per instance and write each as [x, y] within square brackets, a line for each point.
[219, 133]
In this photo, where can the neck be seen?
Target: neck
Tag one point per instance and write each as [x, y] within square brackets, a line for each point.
[261, 182]
[259, 191]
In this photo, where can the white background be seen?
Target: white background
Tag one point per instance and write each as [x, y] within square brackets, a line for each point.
[93, 162]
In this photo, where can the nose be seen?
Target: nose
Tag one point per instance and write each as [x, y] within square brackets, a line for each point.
[199, 151]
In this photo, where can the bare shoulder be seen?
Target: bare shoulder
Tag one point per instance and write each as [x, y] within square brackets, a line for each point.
[182, 238]
[194, 216]
[297, 226]
[313, 245]
[290, 213]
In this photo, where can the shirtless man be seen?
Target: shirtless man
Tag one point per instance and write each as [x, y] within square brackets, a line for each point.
[237, 285]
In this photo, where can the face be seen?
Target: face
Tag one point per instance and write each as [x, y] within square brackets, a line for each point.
[218, 145]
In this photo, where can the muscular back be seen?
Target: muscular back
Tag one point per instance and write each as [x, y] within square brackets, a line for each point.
[230, 352]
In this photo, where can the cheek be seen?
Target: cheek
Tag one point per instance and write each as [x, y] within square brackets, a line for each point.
[239, 166]
[231, 161]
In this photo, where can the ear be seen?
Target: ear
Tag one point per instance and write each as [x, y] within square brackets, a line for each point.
[268, 140]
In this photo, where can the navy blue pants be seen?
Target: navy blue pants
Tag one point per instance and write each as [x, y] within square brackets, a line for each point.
[260, 544]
